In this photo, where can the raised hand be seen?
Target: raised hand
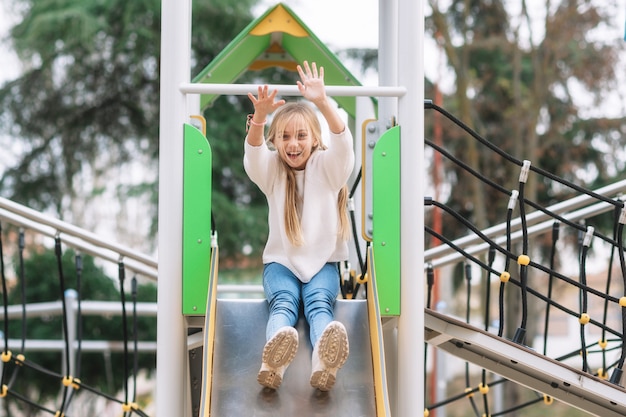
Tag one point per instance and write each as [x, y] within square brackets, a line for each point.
[311, 84]
[265, 102]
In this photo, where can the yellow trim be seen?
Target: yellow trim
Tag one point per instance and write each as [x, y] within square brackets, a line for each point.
[202, 122]
[261, 64]
[279, 20]
[376, 340]
[209, 336]
[363, 179]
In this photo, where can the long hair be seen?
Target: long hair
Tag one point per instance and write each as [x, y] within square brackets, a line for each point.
[304, 117]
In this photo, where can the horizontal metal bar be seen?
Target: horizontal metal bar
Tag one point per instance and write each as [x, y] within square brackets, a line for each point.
[39, 345]
[31, 219]
[292, 90]
[532, 218]
[93, 308]
[543, 227]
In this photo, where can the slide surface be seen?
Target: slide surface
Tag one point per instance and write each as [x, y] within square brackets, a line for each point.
[238, 344]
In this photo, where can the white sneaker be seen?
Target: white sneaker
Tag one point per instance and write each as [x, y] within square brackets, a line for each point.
[330, 353]
[278, 353]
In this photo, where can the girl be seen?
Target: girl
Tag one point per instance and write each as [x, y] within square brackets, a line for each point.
[304, 183]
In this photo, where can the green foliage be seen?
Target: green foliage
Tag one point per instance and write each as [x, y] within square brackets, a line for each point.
[41, 282]
[89, 100]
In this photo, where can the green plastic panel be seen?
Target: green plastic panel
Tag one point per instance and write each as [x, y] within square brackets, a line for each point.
[386, 220]
[196, 221]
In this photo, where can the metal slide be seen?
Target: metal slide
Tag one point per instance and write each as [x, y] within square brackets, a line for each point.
[234, 336]
[239, 340]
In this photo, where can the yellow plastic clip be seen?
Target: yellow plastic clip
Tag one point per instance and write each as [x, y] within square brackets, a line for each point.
[484, 389]
[622, 302]
[505, 276]
[584, 319]
[19, 359]
[4, 392]
[602, 374]
[603, 343]
[362, 279]
[547, 399]
[468, 392]
[69, 381]
[426, 412]
[523, 260]
[5, 356]
[59, 414]
[127, 407]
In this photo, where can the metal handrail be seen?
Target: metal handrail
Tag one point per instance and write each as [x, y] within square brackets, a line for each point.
[77, 237]
[444, 254]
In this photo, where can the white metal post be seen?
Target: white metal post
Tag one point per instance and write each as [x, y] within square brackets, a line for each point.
[411, 120]
[388, 110]
[71, 304]
[387, 56]
[171, 331]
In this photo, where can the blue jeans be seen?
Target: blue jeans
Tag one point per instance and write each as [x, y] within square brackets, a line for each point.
[285, 293]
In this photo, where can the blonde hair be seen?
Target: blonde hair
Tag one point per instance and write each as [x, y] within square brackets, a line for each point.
[305, 117]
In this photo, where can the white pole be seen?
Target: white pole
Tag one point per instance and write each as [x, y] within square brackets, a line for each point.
[387, 111]
[171, 333]
[411, 120]
[387, 57]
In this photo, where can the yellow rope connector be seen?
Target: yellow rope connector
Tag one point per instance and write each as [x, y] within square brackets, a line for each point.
[602, 374]
[361, 279]
[484, 389]
[426, 412]
[4, 391]
[603, 343]
[468, 392]
[547, 399]
[505, 276]
[69, 381]
[127, 407]
[584, 319]
[6, 356]
[59, 414]
[622, 302]
[523, 259]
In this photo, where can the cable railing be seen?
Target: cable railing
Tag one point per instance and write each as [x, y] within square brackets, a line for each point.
[80, 239]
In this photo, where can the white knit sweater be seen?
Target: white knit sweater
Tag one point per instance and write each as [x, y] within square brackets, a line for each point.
[325, 173]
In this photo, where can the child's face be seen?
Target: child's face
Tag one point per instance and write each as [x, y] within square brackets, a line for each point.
[296, 145]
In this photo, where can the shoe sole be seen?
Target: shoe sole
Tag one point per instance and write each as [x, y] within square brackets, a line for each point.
[279, 351]
[333, 351]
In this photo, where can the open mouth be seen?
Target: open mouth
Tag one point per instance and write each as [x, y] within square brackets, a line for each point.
[294, 155]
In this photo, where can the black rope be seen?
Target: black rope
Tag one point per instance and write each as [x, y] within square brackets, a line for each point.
[59, 258]
[521, 331]
[494, 148]
[530, 290]
[546, 324]
[530, 203]
[583, 302]
[135, 337]
[122, 276]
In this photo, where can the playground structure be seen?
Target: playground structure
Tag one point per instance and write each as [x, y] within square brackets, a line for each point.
[394, 385]
[400, 52]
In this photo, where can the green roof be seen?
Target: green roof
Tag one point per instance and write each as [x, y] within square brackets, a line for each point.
[278, 38]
